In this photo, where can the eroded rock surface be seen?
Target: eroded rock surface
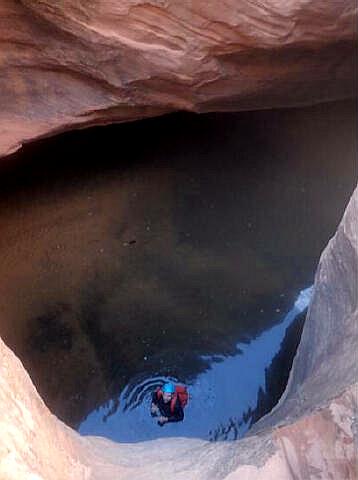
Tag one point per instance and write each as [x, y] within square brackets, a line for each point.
[326, 360]
[310, 435]
[67, 64]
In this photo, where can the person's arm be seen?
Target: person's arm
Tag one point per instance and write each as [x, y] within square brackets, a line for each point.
[154, 409]
[155, 398]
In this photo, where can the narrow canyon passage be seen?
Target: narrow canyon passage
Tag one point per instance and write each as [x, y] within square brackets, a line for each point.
[151, 250]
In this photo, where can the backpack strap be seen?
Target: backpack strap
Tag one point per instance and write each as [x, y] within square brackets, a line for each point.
[173, 402]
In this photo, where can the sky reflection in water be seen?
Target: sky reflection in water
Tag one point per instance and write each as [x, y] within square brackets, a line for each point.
[218, 397]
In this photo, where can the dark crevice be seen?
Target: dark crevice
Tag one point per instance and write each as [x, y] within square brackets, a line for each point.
[277, 374]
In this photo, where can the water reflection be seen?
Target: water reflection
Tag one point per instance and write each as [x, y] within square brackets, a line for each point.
[221, 398]
[139, 248]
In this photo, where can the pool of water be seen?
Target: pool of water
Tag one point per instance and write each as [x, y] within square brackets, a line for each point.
[220, 399]
[150, 250]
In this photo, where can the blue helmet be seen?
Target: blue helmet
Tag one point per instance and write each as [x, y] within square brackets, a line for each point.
[168, 388]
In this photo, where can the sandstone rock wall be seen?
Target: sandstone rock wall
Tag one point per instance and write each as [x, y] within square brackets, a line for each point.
[326, 362]
[34, 445]
[70, 64]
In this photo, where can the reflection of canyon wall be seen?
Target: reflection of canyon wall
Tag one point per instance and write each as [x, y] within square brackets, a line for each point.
[310, 435]
[226, 215]
[327, 360]
[65, 64]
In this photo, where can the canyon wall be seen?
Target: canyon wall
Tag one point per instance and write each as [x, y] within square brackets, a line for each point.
[311, 434]
[326, 363]
[70, 64]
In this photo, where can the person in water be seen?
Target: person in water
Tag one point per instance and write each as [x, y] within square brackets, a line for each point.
[166, 405]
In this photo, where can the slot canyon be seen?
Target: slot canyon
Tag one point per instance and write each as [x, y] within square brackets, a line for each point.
[178, 203]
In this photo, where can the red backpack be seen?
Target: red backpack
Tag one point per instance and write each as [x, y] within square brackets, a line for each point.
[181, 392]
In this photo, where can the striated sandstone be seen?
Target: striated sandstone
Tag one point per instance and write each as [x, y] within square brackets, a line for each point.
[70, 64]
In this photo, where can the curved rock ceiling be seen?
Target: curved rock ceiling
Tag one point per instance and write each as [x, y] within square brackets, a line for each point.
[69, 64]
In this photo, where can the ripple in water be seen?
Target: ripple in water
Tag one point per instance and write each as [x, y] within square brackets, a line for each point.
[220, 398]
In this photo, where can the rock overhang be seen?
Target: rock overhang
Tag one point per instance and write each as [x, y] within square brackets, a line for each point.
[67, 66]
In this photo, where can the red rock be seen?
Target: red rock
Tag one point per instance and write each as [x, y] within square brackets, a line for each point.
[66, 65]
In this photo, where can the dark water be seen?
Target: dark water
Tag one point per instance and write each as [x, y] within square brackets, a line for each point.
[136, 249]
